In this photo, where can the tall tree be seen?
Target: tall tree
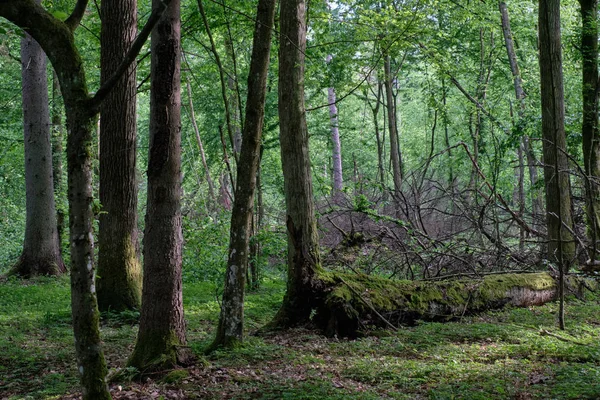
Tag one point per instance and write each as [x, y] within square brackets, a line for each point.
[41, 247]
[303, 245]
[57, 155]
[561, 245]
[161, 338]
[335, 140]
[525, 146]
[392, 124]
[231, 320]
[589, 125]
[119, 282]
[57, 40]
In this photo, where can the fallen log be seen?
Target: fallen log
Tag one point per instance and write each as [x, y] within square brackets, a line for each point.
[352, 301]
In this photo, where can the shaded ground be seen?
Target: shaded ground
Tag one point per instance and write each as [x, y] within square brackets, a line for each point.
[513, 354]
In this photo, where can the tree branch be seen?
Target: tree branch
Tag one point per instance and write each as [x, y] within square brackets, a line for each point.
[131, 55]
[75, 18]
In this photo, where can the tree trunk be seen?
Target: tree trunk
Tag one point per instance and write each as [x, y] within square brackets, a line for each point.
[56, 38]
[161, 338]
[520, 95]
[561, 245]
[359, 300]
[41, 247]
[303, 245]
[393, 133]
[211, 186]
[338, 179]
[57, 157]
[231, 322]
[119, 282]
[589, 127]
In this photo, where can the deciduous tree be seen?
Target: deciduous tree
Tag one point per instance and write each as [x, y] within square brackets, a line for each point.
[119, 282]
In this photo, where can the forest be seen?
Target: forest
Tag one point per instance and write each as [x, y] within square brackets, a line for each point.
[299, 199]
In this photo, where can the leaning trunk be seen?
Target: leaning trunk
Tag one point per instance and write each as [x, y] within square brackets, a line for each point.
[41, 247]
[231, 322]
[119, 271]
[161, 339]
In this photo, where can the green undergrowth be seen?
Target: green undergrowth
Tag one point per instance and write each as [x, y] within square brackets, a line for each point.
[508, 354]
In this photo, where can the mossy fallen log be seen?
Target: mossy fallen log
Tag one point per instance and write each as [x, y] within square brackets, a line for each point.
[353, 300]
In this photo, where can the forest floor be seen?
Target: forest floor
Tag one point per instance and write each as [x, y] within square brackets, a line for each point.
[510, 354]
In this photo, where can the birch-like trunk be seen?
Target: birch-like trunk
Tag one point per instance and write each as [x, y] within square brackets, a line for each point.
[336, 154]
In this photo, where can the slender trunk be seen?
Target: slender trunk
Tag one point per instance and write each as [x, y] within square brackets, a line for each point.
[335, 141]
[231, 322]
[589, 128]
[561, 246]
[525, 147]
[380, 141]
[161, 339]
[209, 181]
[41, 249]
[394, 149]
[258, 218]
[57, 157]
[234, 99]
[228, 112]
[303, 244]
[119, 282]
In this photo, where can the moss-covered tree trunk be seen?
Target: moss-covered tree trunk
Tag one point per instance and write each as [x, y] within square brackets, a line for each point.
[303, 252]
[41, 247]
[161, 339]
[119, 269]
[231, 320]
[353, 302]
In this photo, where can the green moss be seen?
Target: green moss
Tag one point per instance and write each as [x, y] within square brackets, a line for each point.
[426, 298]
[496, 286]
[176, 376]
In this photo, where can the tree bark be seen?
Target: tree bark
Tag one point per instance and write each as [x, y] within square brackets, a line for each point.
[57, 157]
[41, 247]
[393, 133]
[231, 321]
[57, 40]
[338, 180]
[303, 245]
[589, 126]
[561, 245]
[119, 281]
[161, 339]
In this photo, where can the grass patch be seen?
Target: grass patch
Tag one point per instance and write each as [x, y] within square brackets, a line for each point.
[514, 353]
